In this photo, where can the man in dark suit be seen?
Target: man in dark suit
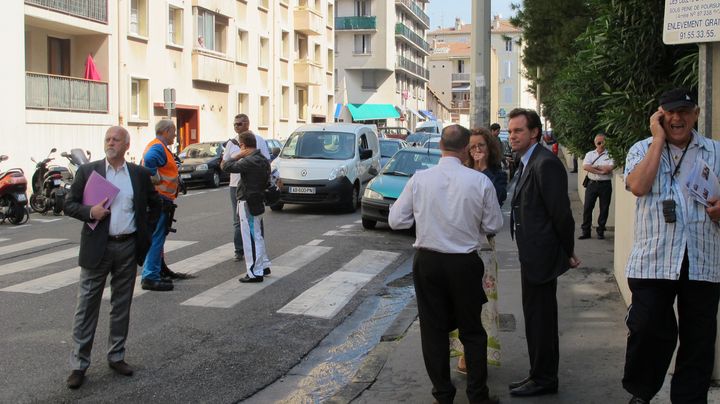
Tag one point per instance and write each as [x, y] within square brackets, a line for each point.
[542, 224]
[116, 246]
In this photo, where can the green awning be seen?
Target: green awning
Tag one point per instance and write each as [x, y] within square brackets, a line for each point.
[367, 112]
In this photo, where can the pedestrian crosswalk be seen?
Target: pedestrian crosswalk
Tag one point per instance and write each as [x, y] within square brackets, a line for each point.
[51, 263]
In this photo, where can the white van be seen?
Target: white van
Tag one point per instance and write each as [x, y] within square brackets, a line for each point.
[327, 164]
[431, 127]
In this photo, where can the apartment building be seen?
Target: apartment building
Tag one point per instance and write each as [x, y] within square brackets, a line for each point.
[450, 69]
[272, 60]
[380, 61]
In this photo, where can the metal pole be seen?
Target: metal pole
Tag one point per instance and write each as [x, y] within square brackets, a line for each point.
[480, 64]
[705, 89]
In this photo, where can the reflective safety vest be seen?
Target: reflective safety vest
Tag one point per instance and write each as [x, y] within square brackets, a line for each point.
[168, 174]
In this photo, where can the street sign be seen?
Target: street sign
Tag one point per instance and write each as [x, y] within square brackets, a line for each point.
[691, 21]
[169, 98]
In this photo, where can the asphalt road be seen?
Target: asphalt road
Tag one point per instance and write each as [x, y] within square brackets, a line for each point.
[182, 348]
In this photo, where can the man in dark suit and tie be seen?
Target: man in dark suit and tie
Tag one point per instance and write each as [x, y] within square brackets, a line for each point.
[542, 224]
[116, 246]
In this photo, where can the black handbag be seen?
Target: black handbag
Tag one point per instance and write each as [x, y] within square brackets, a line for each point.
[255, 204]
[586, 181]
[272, 195]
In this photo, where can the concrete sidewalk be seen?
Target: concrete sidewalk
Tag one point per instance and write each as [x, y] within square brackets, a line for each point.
[592, 338]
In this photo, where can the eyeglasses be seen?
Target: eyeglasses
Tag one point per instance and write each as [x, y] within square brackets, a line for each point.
[478, 146]
[239, 123]
[599, 143]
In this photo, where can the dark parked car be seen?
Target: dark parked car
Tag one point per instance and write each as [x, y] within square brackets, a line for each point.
[418, 138]
[388, 148]
[201, 164]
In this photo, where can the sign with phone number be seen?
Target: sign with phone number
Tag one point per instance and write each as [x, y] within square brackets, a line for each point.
[691, 21]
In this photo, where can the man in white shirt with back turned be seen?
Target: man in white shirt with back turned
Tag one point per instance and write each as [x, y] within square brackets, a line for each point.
[452, 207]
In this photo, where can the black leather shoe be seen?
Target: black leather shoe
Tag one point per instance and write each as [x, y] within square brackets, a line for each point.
[170, 275]
[121, 367]
[239, 257]
[158, 286]
[248, 279]
[601, 236]
[638, 400]
[584, 237]
[531, 388]
[76, 379]
[517, 384]
[489, 400]
[266, 271]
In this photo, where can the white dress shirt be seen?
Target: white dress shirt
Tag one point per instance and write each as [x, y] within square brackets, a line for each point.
[122, 210]
[593, 158]
[453, 206]
[230, 149]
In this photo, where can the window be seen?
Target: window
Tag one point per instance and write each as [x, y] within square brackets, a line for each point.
[243, 105]
[264, 53]
[138, 99]
[211, 31]
[330, 15]
[58, 56]
[301, 100]
[263, 4]
[507, 69]
[318, 54]
[301, 47]
[461, 66]
[330, 60]
[284, 102]
[264, 111]
[507, 95]
[336, 79]
[368, 80]
[508, 45]
[362, 44]
[362, 8]
[138, 17]
[175, 28]
[285, 45]
[242, 46]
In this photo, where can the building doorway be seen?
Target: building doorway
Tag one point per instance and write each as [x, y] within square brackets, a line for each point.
[318, 119]
[188, 125]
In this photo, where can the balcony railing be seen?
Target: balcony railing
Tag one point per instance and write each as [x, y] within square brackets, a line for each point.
[416, 10]
[211, 67]
[47, 91]
[463, 77]
[402, 29]
[95, 10]
[308, 73]
[355, 23]
[412, 67]
[308, 21]
[460, 104]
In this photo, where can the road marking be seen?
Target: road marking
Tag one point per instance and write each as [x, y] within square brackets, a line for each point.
[25, 245]
[13, 227]
[4, 239]
[315, 242]
[46, 220]
[331, 233]
[348, 226]
[196, 193]
[232, 292]
[328, 297]
[70, 276]
[37, 262]
[358, 221]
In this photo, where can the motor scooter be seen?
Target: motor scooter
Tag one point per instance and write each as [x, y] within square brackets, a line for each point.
[48, 189]
[13, 201]
[76, 158]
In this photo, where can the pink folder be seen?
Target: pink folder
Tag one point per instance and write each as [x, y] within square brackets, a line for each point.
[98, 188]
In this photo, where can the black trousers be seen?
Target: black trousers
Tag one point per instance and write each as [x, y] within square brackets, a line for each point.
[541, 330]
[595, 190]
[449, 293]
[653, 335]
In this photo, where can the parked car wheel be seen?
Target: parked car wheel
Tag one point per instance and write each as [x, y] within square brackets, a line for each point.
[368, 223]
[215, 180]
[354, 202]
[277, 206]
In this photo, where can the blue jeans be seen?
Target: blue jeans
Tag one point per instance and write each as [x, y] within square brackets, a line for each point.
[151, 268]
[237, 238]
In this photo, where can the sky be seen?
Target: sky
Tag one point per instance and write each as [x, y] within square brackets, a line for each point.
[443, 12]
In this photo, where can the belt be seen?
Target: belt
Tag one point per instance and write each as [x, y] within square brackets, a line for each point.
[122, 237]
[600, 180]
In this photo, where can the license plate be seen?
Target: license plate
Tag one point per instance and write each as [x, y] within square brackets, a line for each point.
[302, 190]
[185, 176]
[56, 182]
[21, 198]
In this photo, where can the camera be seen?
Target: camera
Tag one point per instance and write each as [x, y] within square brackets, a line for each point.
[668, 209]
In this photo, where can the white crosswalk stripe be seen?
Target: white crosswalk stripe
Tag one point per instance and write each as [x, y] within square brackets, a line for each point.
[39, 261]
[190, 265]
[329, 296]
[232, 292]
[71, 276]
[4, 239]
[26, 245]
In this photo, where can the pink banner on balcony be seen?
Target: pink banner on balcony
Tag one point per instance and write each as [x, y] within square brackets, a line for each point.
[91, 72]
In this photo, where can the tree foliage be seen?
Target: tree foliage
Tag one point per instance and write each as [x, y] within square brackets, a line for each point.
[612, 77]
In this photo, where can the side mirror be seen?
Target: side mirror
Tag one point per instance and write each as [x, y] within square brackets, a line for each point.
[33, 159]
[64, 154]
[89, 154]
[53, 150]
[275, 152]
[3, 157]
[365, 154]
[373, 171]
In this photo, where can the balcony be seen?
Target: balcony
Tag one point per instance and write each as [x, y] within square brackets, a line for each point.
[222, 7]
[93, 10]
[412, 67]
[357, 23]
[50, 92]
[308, 21]
[211, 67]
[402, 31]
[461, 77]
[416, 11]
[308, 73]
[461, 106]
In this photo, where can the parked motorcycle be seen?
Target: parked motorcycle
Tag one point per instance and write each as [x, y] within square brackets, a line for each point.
[76, 158]
[48, 188]
[13, 201]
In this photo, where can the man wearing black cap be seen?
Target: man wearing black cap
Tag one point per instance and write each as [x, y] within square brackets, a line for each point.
[676, 255]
